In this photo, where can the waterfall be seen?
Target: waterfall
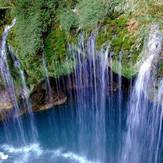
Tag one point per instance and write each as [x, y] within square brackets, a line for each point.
[158, 123]
[120, 89]
[5, 67]
[91, 78]
[49, 90]
[111, 73]
[26, 101]
[9, 84]
[119, 111]
[90, 126]
[25, 105]
[139, 143]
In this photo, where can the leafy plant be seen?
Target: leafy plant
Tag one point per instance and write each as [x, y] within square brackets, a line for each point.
[33, 18]
[56, 53]
[91, 12]
[68, 19]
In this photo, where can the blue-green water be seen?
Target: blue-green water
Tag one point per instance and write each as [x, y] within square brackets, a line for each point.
[58, 136]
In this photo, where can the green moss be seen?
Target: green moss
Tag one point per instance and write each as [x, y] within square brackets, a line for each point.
[156, 9]
[127, 70]
[56, 57]
[35, 26]
[115, 31]
[55, 44]
[27, 37]
[1, 30]
[160, 69]
[72, 38]
[59, 63]
[5, 18]
[68, 19]
[93, 12]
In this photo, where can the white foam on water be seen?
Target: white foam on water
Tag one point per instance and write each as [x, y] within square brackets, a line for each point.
[26, 149]
[72, 156]
[3, 156]
[22, 154]
[33, 152]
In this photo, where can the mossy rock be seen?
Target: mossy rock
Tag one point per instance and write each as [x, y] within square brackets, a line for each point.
[58, 61]
[127, 71]
[116, 33]
[5, 18]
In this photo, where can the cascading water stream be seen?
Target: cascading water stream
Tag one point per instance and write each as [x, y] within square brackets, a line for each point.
[49, 90]
[100, 115]
[119, 111]
[4, 65]
[111, 73]
[25, 105]
[120, 90]
[89, 128]
[91, 77]
[8, 81]
[26, 102]
[158, 123]
[138, 138]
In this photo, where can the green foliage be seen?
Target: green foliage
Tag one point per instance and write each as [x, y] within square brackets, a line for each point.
[33, 18]
[91, 12]
[56, 53]
[68, 19]
[146, 12]
[53, 23]
[107, 30]
[160, 69]
[55, 44]
[58, 69]
[33, 66]
[4, 18]
[128, 70]
[115, 29]
[124, 28]
[5, 3]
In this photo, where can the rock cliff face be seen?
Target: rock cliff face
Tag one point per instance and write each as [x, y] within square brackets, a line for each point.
[5, 105]
[62, 90]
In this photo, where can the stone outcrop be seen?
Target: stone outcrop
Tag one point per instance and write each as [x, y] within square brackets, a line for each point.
[5, 105]
[40, 96]
[62, 90]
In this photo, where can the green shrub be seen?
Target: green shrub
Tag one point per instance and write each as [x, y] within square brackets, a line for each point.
[128, 70]
[33, 18]
[56, 53]
[91, 12]
[68, 19]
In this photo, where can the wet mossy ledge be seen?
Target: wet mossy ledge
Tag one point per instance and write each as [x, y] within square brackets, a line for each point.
[44, 31]
[47, 29]
[63, 91]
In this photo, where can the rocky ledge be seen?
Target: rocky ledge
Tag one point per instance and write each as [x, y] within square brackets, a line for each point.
[40, 100]
[61, 88]
[5, 105]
